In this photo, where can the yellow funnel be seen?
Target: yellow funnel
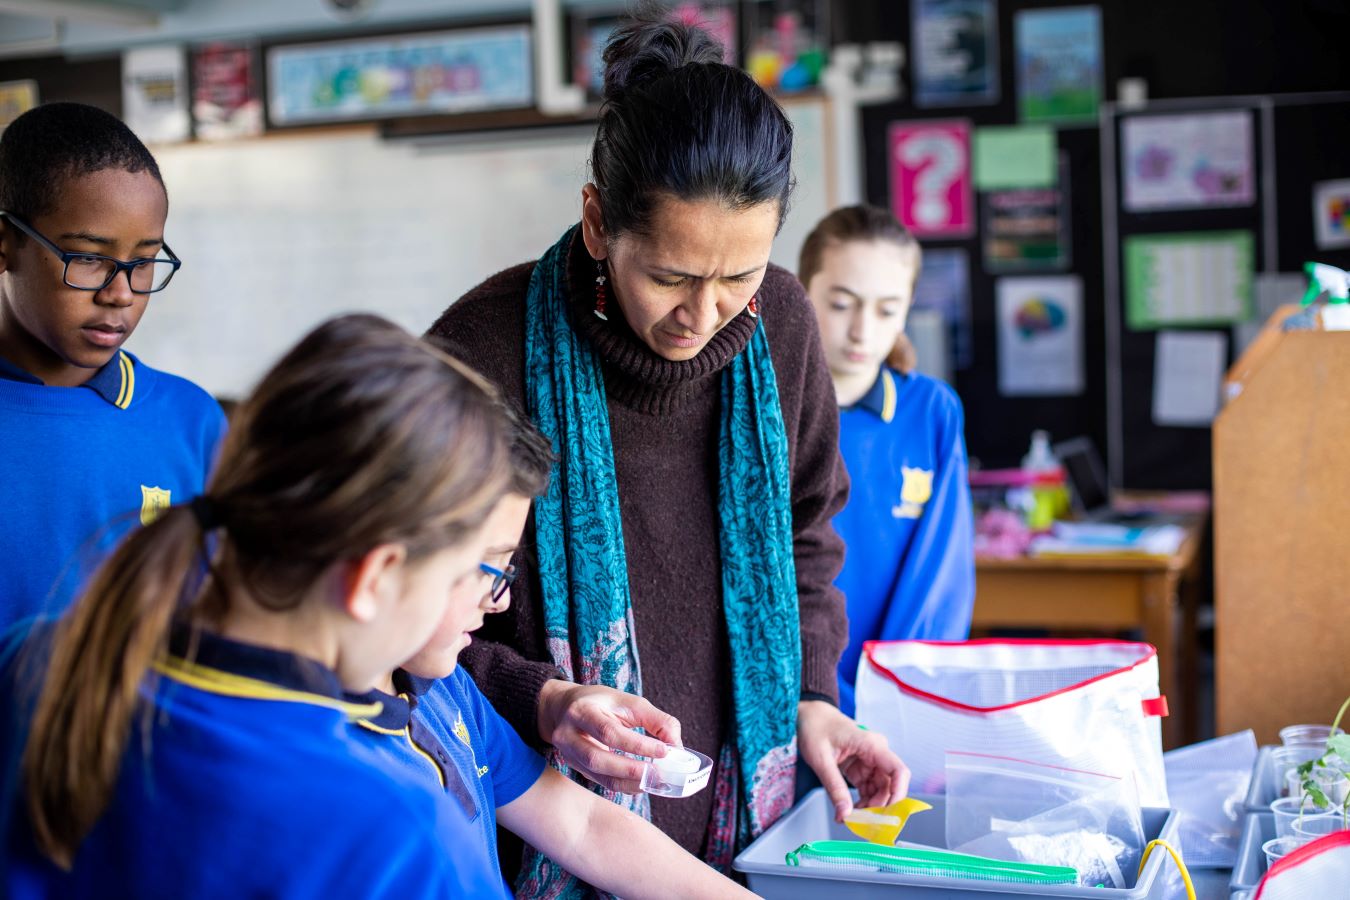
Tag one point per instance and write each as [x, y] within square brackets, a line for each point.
[882, 824]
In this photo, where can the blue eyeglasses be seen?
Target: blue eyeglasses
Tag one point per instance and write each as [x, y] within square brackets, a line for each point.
[94, 272]
[501, 579]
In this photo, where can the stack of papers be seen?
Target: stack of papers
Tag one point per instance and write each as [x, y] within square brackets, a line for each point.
[1099, 539]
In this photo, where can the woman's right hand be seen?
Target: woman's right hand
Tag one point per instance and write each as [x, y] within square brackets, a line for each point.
[587, 723]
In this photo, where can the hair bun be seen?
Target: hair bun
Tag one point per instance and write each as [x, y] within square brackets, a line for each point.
[649, 45]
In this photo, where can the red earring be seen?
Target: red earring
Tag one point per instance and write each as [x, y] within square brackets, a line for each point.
[600, 290]
[753, 308]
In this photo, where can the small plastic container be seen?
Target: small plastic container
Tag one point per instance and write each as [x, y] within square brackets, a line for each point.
[1288, 810]
[680, 773]
[1307, 735]
[1310, 828]
[1278, 847]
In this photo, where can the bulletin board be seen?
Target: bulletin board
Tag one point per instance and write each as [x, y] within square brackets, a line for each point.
[278, 233]
[1296, 142]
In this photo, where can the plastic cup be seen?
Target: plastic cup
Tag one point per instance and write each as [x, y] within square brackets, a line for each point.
[1278, 847]
[1286, 761]
[1306, 735]
[1310, 828]
[1288, 810]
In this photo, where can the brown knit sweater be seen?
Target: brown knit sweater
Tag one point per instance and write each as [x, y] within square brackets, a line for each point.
[664, 426]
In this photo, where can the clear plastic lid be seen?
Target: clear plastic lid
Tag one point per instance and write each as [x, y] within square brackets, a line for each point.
[680, 773]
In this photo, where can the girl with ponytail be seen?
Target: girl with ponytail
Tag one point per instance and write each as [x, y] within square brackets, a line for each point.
[910, 568]
[189, 736]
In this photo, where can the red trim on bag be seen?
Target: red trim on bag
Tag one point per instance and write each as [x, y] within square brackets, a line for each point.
[1013, 642]
[1156, 707]
[1303, 854]
[1031, 762]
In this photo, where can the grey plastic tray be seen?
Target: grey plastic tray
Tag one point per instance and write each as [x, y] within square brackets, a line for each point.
[1251, 860]
[813, 820]
[1262, 789]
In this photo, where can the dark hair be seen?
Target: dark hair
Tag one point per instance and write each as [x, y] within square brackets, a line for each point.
[863, 223]
[677, 121]
[531, 454]
[361, 435]
[52, 143]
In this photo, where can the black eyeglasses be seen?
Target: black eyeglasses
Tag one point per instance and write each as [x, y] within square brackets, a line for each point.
[93, 272]
[501, 580]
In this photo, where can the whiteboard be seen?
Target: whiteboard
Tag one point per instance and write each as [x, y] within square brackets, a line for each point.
[278, 234]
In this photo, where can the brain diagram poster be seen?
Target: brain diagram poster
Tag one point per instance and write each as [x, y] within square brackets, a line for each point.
[1040, 336]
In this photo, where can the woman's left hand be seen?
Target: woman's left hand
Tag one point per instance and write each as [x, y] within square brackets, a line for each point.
[836, 749]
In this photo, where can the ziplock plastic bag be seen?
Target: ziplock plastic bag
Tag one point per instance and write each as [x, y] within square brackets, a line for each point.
[1207, 783]
[1024, 811]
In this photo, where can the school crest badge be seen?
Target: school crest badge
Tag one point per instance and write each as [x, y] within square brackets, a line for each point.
[916, 488]
[462, 732]
[153, 503]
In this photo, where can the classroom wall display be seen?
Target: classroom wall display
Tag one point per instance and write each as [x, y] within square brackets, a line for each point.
[944, 287]
[155, 93]
[1331, 214]
[1188, 372]
[1059, 64]
[591, 27]
[1015, 157]
[445, 72]
[16, 98]
[1188, 161]
[1040, 336]
[955, 52]
[1193, 278]
[931, 178]
[226, 101]
[1027, 229]
[785, 42]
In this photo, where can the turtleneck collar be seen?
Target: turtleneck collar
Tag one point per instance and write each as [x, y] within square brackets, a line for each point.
[635, 376]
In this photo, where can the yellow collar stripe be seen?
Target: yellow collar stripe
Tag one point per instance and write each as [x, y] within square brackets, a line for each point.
[128, 381]
[228, 684]
[378, 729]
[888, 400]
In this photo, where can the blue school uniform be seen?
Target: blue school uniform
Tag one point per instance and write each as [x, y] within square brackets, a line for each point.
[909, 568]
[249, 785]
[446, 733]
[83, 465]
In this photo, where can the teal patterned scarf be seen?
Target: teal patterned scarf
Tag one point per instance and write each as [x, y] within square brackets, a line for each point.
[588, 614]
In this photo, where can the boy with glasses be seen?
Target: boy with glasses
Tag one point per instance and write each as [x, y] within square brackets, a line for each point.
[91, 439]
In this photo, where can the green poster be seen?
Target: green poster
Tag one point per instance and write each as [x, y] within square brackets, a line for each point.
[1010, 158]
[1191, 278]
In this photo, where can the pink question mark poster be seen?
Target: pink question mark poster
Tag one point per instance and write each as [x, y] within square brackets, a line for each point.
[930, 178]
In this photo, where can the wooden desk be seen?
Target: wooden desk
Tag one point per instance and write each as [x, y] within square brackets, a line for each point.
[1096, 594]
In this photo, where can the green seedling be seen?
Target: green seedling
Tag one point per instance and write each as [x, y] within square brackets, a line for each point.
[1333, 761]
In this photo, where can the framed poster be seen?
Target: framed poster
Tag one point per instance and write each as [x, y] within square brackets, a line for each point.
[417, 74]
[226, 102]
[931, 191]
[155, 94]
[1027, 229]
[944, 288]
[1194, 278]
[1188, 161]
[16, 98]
[1059, 64]
[955, 52]
[1331, 214]
[1040, 336]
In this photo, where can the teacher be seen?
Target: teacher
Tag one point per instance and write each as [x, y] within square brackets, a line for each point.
[682, 561]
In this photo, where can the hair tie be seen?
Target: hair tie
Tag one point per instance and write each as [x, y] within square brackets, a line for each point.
[206, 512]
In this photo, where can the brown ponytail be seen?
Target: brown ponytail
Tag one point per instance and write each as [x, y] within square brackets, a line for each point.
[362, 435]
[862, 223]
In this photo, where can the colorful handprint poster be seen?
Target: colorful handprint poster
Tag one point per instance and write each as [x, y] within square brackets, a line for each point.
[1188, 161]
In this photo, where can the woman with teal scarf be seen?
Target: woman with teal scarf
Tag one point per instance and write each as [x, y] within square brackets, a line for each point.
[677, 576]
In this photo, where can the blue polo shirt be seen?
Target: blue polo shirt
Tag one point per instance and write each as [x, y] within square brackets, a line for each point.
[249, 785]
[909, 569]
[445, 733]
[83, 465]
